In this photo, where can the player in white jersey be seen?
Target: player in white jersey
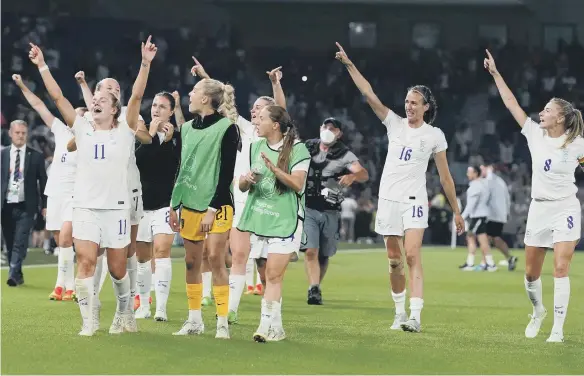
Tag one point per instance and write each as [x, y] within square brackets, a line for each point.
[477, 211]
[59, 191]
[101, 197]
[554, 219]
[136, 211]
[402, 214]
[240, 247]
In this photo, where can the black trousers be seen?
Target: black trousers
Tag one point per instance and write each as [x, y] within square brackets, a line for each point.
[16, 227]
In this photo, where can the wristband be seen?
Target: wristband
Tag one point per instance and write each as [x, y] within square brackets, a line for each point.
[43, 68]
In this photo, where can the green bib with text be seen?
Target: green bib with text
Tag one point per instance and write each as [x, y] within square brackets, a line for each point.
[199, 168]
[267, 212]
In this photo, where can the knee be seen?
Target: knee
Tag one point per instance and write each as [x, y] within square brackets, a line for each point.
[311, 254]
[413, 257]
[273, 276]
[161, 252]
[561, 269]
[239, 256]
[396, 266]
[85, 266]
[216, 260]
[192, 262]
[323, 260]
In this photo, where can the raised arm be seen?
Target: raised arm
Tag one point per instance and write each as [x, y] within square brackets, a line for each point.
[133, 114]
[35, 102]
[63, 105]
[278, 93]
[449, 188]
[178, 114]
[506, 95]
[85, 90]
[362, 84]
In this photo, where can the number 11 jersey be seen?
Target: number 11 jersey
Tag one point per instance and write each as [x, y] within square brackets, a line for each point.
[408, 153]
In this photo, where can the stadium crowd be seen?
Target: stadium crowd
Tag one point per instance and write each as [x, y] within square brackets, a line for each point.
[471, 113]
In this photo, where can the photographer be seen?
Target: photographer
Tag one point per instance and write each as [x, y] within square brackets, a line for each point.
[333, 167]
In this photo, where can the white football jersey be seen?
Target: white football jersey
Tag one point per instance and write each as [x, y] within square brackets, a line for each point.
[61, 178]
[553, 167]
[408, 152]
[134, 184]
[102, 166]
[248, 135]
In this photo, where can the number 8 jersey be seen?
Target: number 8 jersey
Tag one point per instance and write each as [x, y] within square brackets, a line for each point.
[102, 166]
[553, 167]
[408, 152]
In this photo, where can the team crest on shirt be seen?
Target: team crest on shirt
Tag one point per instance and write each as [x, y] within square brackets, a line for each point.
[565, 155]
[422, 145]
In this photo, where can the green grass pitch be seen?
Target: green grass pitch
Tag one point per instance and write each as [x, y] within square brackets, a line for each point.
[472, 322]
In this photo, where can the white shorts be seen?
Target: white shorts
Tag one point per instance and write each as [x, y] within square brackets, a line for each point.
[107, 228]
[262, 247]
[238, 208]
[137, 210]
[550, 222]
[59, 210]
[394, 218]
[154, 222]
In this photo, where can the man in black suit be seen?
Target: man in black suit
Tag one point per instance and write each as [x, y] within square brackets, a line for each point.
[23, 183]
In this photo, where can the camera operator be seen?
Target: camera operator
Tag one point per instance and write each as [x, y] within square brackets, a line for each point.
[333, 167]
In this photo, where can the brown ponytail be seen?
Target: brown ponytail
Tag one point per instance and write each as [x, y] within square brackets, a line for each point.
[280, 115]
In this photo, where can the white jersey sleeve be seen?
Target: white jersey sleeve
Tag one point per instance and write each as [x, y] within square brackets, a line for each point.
[440, 141]
[242, 165]
[530, 128]
[61, 178]
[392, 120]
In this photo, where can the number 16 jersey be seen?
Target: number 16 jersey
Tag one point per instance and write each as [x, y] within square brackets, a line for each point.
[408, 153]
[102, 166]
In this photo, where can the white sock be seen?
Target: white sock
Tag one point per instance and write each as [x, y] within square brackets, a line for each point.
[195, 315]
[277, 314]
[104, 272]
[489, 260]
[561, 300]
[68, 256]
[258, 278]
[416, 305]
[266, 313]
[400, 301]
[97, 276]
[61, 270]
[85, 297]
[249, 272]
[132, 268]
[207, 284]
[163, 276]
[470, 259]
[534, 293]
[236, 286]
[122, 292]
[143, 281]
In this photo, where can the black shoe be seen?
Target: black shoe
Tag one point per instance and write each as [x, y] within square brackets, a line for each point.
[13, 282]
[512, 263]
[314, 296]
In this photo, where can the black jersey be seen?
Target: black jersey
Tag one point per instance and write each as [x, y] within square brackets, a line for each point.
[158, 163]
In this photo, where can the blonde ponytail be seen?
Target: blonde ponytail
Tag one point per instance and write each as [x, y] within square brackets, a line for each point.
[227, 107]
[573, 123]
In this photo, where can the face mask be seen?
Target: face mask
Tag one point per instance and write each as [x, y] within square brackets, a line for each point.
[327, 136]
